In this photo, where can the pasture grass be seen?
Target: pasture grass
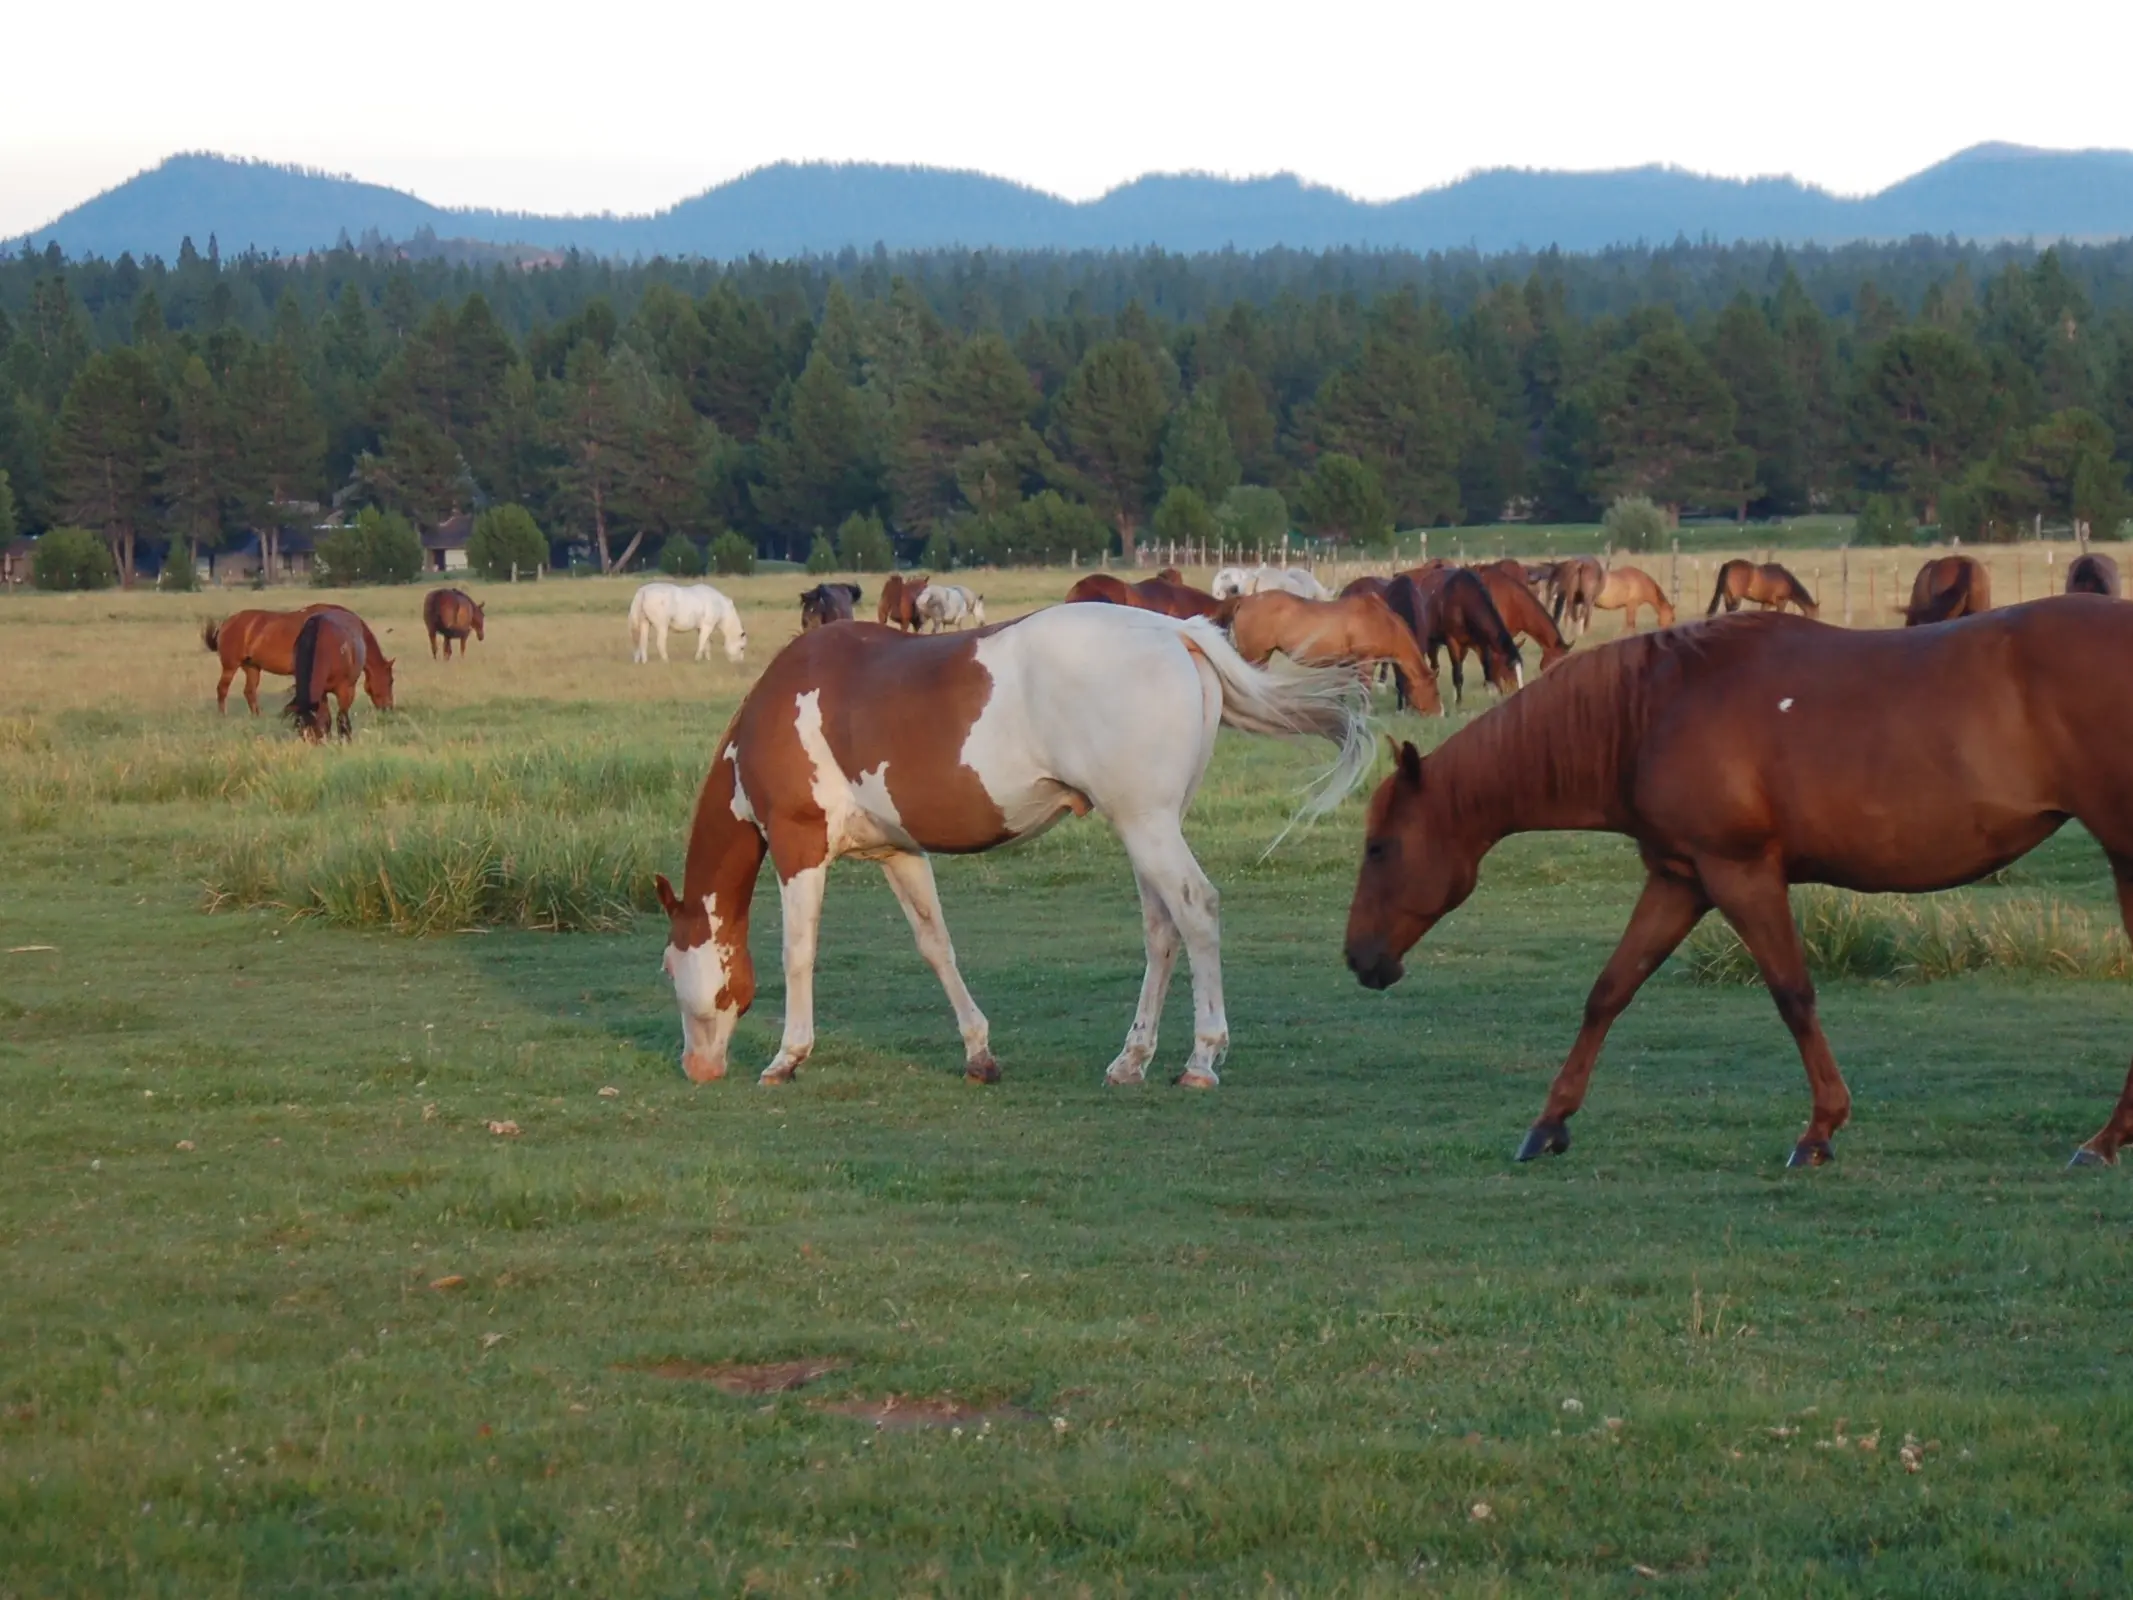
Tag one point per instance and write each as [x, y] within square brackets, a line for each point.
[284, 1315]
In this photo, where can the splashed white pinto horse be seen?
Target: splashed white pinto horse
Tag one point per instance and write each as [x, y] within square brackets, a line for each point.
[1233, 581]
[864, 741]
[950, 605]
[656, 607]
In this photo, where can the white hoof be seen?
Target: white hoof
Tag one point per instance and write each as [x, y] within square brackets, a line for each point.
[1196, 1078]
[1132, 1067]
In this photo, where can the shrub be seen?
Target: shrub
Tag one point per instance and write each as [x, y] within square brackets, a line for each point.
[1344, 501]
[1253, 515]
[732, 555]
[378, 547]
[1048, 527]
[72, 558]
[939, 554]
[821, 556]
[863, 544]
[1633, 522]
[180, 574]
[683, 557]
[1881, 522]
[1183, 518]
[504, 537]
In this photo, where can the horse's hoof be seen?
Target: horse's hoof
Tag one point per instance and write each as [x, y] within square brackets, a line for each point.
[1196, 1080]
[778, 1074]
[2085, 1157]
[1544, 1139]
[982, 1069]
[1811, 1153]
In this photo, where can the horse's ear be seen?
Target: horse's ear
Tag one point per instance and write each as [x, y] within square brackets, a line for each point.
[667, 897]
[1410, 762]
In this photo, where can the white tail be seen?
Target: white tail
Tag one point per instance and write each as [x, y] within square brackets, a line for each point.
[1329, 702]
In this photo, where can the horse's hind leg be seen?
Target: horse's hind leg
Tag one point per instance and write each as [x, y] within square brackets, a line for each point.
[1666, 911]
[1752, 896]
[911, 879]
[2103, 1149]
[222, 692]
[251, 687]
[1162, 939]
[1164, 863]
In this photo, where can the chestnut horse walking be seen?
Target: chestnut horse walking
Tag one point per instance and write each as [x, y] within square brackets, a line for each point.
[1746, 755]
[2093, 573]
[1449, 609]
[862, 741]
[1165, 595]
[898, 606]
[1946, 588]
[1627, 588]
[1768, 585]
[329, 658]
[265, 641]
[1357, 630]
[450, 614]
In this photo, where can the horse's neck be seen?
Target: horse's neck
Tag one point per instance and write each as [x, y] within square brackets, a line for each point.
[725, 850]
[1554, 756]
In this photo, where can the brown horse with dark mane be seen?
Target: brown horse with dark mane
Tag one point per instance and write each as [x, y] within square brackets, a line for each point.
[1747, 755]
[1150, 594]
[1946, 588]
[898, 606]
[1512, 595]
[265, 641]
[451, 614]
[1449, 609]
[1359, 629]
[1577, 583]
[1625, 589]
[329, 658]
[828, 602]
[2092, 574]
[1768, 585]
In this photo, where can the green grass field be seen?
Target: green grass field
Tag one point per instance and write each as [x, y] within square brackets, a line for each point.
[283, 1315]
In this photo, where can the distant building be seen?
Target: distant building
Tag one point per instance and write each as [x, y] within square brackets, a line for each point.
[444, 547]
[241, 563]
[15, 561]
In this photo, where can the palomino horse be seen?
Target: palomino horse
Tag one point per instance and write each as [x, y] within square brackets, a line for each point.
[329, 657]
[946, 605]
[265, 641]
[1231, 582]
[656, 607]
[1510, 591]
[1946, 588]
[861, 741]
[1768, 585]
[1625, 589]
[898, 606]
[1315, 633]
[1150, 594]
[1747, 755]
[1449, 609]
[826, 603]
[1576, 583]
[2092, 574]
[450, 614]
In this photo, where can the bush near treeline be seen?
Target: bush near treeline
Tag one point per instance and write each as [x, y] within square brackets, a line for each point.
[1007, 407]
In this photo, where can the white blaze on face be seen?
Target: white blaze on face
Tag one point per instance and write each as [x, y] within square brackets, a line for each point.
[699, 975]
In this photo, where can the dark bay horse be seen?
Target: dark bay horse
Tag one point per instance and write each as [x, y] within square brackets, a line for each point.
[1749, 754]
[828, 602]
[1946, 588]
[1768, 585]
[329, 661]
[2092, 573]
[1150, 594]
[898, 605]
[1510, 590]
[451, 614]
[265, 641]
[1448, 608]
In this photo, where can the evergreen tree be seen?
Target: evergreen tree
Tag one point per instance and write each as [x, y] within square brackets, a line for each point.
[1666, 428]
[104, 453]
[1746, 353]
[1921, 408]
[590, 434]
[818, 456]
[202, 469]
[1109, 419]
[1401, 407]
[1197, 453]
[1343, 501]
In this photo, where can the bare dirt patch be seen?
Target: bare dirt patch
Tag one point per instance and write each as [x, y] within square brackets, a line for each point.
[769, 1377]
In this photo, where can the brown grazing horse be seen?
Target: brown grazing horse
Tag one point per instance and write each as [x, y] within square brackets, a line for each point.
[828, 602]
[1317, 633]
[450, 614]
[329, 659]
[1511, 593]
[1576, 583]
[1768, 585]
[1747, 755]
[1627, 588]
[1368, 583]
[1449, 609]
[1150, 594]
[1946, 588]
[898, 606]
[265, 641]
[2092, 574]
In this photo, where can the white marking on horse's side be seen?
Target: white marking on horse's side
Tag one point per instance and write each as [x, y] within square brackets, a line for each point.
[743, 810]
[1785, 704]
[853, 826]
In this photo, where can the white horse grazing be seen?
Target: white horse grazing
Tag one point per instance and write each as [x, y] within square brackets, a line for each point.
[656, 607]
[884, 745]
[950, 605]
[1262, 579]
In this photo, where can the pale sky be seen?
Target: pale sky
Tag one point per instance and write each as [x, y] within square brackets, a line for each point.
[632, 105]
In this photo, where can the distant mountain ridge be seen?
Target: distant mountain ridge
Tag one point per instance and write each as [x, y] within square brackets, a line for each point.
[1989, 192]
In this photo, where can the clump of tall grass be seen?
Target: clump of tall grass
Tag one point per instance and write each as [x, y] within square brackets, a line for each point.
[449, 873]
[1921, 939]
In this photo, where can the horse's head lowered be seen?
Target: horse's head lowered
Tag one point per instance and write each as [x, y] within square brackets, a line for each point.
[1413, 873]
[378, 679]
[734, 631]
[480, 619]
[714, 979]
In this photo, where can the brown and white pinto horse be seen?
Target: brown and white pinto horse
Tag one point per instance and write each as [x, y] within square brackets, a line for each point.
[1160, 594]
[329, 658]
[1356, 629]
[1948, 587]
[265, 641]
[1753, 753]
[860, 741]
[898, 605]
[1768, 585]
[2093, 573]
[450, 614]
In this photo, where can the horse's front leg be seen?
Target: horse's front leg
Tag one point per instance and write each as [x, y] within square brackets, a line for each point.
[911, 880]
[703, 642]
[800, 897]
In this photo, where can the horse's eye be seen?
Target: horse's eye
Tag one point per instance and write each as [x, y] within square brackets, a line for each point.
[1377, 850]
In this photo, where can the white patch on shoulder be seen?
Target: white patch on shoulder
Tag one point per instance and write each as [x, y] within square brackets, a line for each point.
[1785, 704]
[743, 810]
[853, 823]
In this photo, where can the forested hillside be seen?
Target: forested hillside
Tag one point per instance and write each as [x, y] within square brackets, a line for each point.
[995, 407]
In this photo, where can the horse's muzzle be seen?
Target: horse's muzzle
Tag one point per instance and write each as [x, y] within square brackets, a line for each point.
[1374, 966]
